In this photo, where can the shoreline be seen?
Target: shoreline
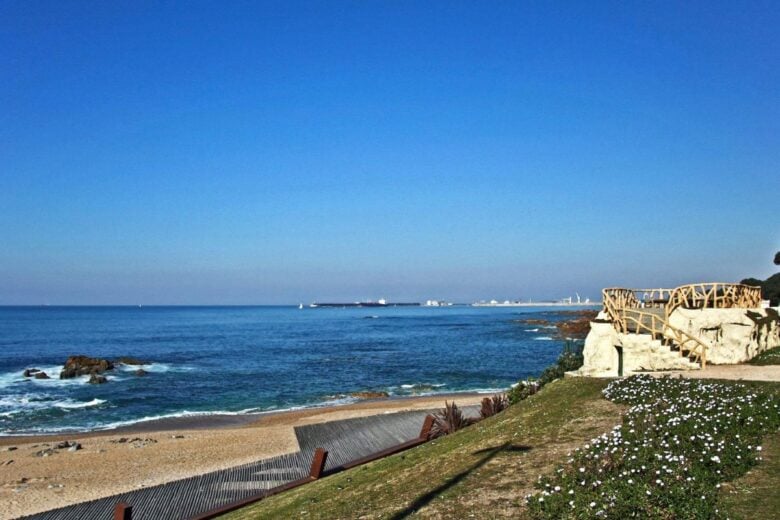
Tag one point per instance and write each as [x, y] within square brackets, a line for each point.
[217, 420]
[37, 476]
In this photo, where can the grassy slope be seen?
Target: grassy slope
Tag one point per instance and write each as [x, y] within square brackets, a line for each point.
[490, 466]
[487, 469]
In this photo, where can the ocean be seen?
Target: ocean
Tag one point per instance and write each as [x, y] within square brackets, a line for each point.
[239, 360]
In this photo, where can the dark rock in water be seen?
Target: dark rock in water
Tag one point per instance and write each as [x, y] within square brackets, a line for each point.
[42, 375]
[83, 365]
[534, 321]
[577, 327]
[124, 360]
[30, 372]
[97, 379]
[141, 372]
[370, 395]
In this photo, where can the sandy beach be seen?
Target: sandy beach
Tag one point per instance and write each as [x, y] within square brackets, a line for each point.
[151, 453]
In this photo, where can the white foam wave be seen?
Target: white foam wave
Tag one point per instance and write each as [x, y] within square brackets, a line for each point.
[543, 338]
[532, 330]
[71, 405]
[157, 368]
[423, 385]
[16, 404]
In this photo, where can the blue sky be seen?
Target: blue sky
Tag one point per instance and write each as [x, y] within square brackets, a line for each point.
[276, 152]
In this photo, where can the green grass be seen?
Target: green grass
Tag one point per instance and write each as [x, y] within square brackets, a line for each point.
[768, 357]
[755, 494]
[487, 470]
[490, 466]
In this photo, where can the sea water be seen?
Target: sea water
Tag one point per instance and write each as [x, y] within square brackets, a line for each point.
[239, 360]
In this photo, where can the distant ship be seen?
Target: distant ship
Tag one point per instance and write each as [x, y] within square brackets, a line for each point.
[379, 303]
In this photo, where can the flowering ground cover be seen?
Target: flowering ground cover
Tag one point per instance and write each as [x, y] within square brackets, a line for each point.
[678, 443]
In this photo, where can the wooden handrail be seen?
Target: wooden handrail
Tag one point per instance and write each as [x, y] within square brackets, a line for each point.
[718, 295]
[659, 326]
[702, 295]
[714, 295]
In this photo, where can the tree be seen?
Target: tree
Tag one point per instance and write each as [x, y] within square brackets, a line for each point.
[777, 258]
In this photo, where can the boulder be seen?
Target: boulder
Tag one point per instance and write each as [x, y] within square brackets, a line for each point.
[141, 372]
[30, 372]
[97, 379]
[42, 375]
[47, 452]
[83, 365]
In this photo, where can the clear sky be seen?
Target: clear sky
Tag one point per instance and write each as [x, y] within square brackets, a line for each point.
[277, 152]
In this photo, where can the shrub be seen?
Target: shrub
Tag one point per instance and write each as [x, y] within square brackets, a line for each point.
[770, 288]
[570, 359]
[450, 419]
[522, 390]
[492, 405]
[678, 442]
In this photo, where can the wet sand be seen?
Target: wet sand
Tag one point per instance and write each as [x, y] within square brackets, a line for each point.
[156, 452]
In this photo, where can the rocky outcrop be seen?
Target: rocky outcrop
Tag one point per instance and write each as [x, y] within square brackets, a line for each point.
[30, 372]
[578, 327]
[77, 366]
[41, 375]
[370, 395]
[97, 379]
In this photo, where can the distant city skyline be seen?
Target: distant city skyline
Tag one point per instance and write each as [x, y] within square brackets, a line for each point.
[286, 152]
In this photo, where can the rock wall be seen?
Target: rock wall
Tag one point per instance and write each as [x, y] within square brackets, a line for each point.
[736, 335]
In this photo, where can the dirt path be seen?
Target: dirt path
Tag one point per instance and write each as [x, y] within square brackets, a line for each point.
[736, 372]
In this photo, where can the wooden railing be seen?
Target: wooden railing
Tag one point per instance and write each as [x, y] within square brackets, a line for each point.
[714, 296]
[693, 296]
[618, 300]
[621, 298]
[660, 329]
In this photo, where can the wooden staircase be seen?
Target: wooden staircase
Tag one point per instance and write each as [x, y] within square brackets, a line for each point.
[652, 321]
